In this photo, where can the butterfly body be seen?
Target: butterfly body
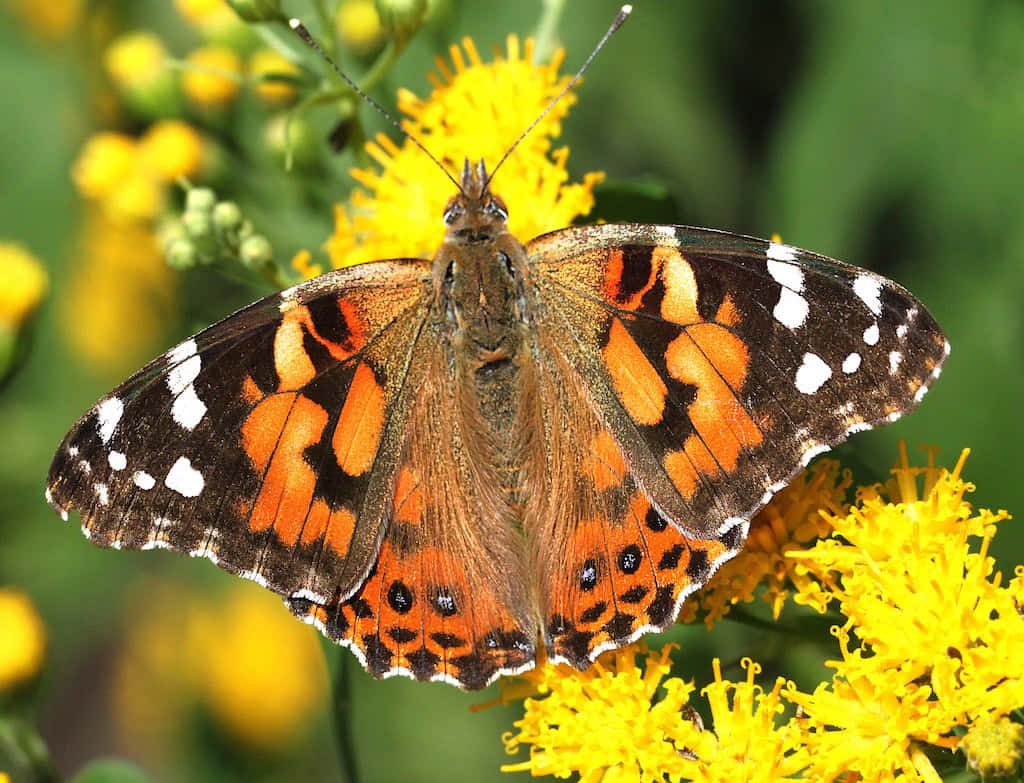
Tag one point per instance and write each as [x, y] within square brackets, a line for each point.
[442, 463]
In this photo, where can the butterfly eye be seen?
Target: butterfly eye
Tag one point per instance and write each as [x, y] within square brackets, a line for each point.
[497, 208]
[452, 214]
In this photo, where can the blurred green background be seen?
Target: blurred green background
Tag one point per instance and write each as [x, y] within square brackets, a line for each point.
[886, 134]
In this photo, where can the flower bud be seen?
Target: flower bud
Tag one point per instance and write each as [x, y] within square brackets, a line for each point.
[227, 216]
[295, 138]
[401, 18]
[258, 10]
[994, 748]
[358, 25]
[137, 65]
[200, 200]
[181, 254]
[255, 251]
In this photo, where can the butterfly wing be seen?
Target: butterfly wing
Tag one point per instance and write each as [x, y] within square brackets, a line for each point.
[714, 367]
[267, 441]
[448, 598]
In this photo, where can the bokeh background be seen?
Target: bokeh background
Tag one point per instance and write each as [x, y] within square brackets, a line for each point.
[886, 134]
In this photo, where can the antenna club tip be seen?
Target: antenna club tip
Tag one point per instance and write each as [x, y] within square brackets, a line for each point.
[626, 9]
[294, 23]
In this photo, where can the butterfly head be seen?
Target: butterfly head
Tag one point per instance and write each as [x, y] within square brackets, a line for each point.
[474, 213]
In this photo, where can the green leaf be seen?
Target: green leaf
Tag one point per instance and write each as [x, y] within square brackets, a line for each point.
[111, 771]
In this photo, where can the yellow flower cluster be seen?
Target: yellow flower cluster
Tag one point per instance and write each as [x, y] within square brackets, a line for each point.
[25, 284]
[476, 110]
[23, 641]
[129, 177]
[929, 651]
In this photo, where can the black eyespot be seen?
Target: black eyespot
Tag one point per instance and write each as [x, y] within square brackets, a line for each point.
[444, 603]
[629, 559]
[399, 597]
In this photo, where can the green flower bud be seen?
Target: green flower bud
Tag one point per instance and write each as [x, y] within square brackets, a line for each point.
[181, 254]
[296, 139]
[994, 748]
[227, 217]
[258, 10]
[255, 252]
[401, 18]
[200, 200]
[198, 223]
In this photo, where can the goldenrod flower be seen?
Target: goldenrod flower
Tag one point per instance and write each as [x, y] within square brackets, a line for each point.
[51, 18]
[22, 641]
[129, 177]
[476, 110]
[122, 279]
[212, 75]
[170, 149]
[135, 59]
[358, 25]
[792, 520]
[25, 284]
[268, 62]
[938, 636]
[214, 19]
[745, 742]
[604, 723]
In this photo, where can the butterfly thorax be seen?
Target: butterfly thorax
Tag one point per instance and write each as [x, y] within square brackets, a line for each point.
[479, 285]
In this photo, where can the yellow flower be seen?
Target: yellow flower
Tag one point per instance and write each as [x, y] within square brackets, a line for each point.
[25, 284]
[212, 75]
[135, 59]
[268, 62]
[51, 18]
[476, 110]
[170, 149]
[106, 160]
[122, 279]
[22, 641]
[792, 520]
[604, 723]
[938, 636]
[214, 19]
[358, 24]
[243, 658]
[745, 743]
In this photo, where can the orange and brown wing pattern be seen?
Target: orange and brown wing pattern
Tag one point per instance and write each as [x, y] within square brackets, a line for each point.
[265, 441]
[448, 598]
[706, 358]
[608, 566]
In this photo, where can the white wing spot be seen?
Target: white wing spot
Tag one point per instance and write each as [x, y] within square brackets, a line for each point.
[102, 493]
[184, 479]
[895, 357]
[181, 352]
[812, 374]
[84, 466]
[667, 234]
[181, 376]
[871, 334]
[117, 460]
[786, 275]
[779, 252]
[851, 363]
[901, 331]
[791, 309]
[143, 480]
[869, 289]
[188, 410]
[108, 414]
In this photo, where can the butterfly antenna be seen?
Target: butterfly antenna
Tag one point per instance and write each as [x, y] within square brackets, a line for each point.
[620, 17]
[303, 33]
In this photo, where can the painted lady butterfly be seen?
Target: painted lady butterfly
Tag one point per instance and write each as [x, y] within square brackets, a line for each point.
[439, 462]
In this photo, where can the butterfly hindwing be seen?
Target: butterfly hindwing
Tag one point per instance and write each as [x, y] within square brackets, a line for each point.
[448, 598]
[264, 441]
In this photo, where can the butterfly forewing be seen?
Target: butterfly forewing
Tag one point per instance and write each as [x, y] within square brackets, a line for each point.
[264, 442]
[723, 363]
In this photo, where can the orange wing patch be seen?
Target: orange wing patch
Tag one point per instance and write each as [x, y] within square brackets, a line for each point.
[361, 422]
[604, 464]
[636, 382]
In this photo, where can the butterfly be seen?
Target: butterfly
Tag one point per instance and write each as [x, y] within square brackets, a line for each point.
[442, 464]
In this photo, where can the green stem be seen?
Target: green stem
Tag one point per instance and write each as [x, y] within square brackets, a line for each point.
[330, 40]
[544, 35]
[338, 668]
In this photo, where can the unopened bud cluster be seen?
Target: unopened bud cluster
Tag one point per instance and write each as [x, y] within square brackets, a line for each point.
[212, 230]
